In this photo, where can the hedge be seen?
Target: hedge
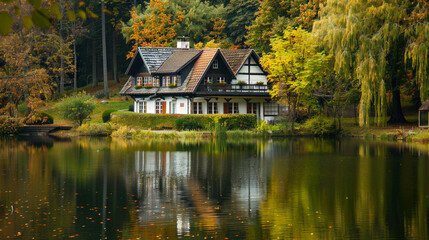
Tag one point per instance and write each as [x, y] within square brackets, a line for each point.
[183, 122]
[107, 114]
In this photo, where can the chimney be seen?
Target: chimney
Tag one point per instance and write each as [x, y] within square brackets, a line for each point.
[183, 42]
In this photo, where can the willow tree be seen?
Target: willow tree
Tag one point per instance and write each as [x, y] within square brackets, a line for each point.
[369, 42]
[418, 47]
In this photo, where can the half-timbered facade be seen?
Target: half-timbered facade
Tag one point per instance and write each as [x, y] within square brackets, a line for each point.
[193, 81]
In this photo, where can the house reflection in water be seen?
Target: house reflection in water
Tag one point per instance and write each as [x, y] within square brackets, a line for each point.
[161, 180]
[199, 188]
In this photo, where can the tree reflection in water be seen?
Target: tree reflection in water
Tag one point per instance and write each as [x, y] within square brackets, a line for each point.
[91, 188]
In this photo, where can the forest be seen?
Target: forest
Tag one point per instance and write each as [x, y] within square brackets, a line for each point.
[321, 56]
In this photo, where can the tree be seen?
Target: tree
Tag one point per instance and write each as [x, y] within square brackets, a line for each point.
[103, 40]
[76, 107]
[239, 15]
[418, 48]
[274, 16]
[369, 40]
[295, 68]
[153, 28]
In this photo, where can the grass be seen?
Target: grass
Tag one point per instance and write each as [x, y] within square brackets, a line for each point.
[116, 102]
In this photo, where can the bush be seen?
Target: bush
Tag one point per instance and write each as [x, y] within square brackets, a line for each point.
[94, 129]
[76, 107]
[190, 121]
[106, 115]
[241, 83]
[38, 119]
[320, 126]
[131, 108]
[99, 94]
[9, 126]
[187, 124]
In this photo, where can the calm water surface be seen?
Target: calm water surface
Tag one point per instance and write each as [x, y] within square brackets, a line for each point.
[97, 188]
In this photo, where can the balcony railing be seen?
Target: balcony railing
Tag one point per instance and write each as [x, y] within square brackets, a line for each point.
[235, 89]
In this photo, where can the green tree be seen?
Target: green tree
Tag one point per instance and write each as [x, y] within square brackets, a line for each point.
[239, 15]
[295, 68]
[274, 16]
[76, 107]
[369, 42]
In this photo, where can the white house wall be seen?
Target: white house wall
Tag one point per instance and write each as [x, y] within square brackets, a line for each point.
[243, 73]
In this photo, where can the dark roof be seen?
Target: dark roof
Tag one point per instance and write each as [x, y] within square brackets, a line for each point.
[424, 106]
[154, 57]
[178, 60]
[236, 57]
[170, 60]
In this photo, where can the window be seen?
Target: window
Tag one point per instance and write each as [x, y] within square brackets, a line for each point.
[208, 80]
[139, 81]
[179, 80]
[212, 108]
[198, 108]
[221, 79]
[173, 107]
[174, 79]
[145, 80]
[271, 109]
[215, 64]
[233, 108]
[142, 107]
[252, 108]
[159, 107]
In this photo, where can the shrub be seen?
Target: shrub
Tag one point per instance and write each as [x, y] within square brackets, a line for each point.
[76, 107]
[38, 119]
[9, 126]
[138, 86]
[320, 126]
[131, 108]
[260, 83]
[106, 115]
[99, 94]
[93, 129]
[123, 131]
[241, 83]
[191, 121]
[187, 124]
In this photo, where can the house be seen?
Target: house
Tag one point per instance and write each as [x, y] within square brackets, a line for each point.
[424, 114]
[165, 80]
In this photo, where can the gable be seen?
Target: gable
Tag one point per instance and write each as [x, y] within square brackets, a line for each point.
[250, 66]
[137, 65]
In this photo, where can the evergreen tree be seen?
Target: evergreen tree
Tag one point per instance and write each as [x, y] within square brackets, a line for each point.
[239, 15]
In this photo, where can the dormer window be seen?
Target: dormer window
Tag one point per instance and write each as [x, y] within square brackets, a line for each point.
[139, 81]
[215, 64]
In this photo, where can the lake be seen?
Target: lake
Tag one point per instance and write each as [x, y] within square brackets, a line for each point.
[304, 188]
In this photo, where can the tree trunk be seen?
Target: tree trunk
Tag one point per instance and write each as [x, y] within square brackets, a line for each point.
[103, 40]
[75, 67]
[396, 115]
[94, 64]
[115, 62]
[61, 60]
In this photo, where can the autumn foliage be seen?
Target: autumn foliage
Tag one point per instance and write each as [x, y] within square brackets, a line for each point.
[155, 29]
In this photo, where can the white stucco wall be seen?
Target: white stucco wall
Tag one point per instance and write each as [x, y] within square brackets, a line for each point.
[184, 106]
